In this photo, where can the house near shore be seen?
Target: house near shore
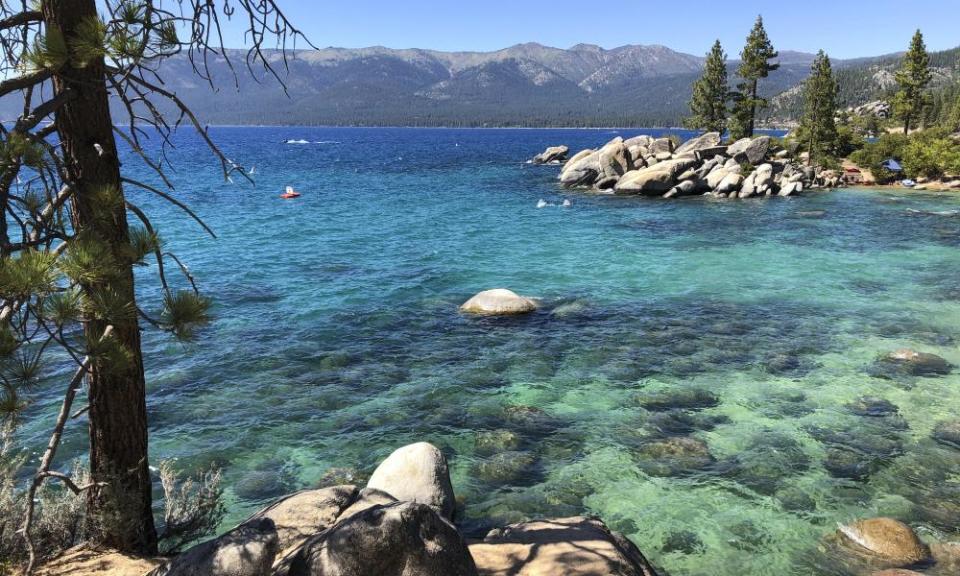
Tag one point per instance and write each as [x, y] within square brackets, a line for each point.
[852, 176]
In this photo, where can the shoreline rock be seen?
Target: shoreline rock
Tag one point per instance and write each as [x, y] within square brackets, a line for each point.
[649, 166]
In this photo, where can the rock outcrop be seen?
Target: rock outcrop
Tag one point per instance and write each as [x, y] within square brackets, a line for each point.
[552, 155]
[568, 547]
[416, 473]
[397, 539]
[304, 514]
[248, 550]
[498, 302]
[649, 166]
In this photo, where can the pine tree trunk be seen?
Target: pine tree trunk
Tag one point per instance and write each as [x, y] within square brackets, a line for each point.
[753, 107]
[121, 514]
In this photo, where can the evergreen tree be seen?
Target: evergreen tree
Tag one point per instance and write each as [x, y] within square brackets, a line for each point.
[67, 250]
[912, 78]
[710, 93]
[754, 65]
[818, 129]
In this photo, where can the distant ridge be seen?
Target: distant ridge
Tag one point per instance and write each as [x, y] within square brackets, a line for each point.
[523, 85]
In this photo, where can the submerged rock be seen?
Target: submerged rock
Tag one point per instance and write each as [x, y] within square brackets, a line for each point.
[947, 433]
[769, 462]
[684, 399]
[684, 542]
[505, 467]
[498, 302]
[675, 456]
[872, 406]
[565, 547]
[417, 473]
[884, 541]
[493, 441]
[916, 363]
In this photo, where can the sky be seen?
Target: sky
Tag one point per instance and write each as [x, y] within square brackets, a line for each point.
[844, 28]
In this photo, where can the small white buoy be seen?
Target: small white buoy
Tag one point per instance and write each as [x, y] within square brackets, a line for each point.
[542, 203]
[567, 203]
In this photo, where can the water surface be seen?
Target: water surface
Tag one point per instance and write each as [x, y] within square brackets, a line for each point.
[743, 334]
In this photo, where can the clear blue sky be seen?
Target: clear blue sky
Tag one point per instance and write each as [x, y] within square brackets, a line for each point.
[844, 28]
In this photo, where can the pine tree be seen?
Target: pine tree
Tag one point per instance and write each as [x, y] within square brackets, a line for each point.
[754, 65]
[818, 129]
[912, 78]
[67, 249]
[710, 94]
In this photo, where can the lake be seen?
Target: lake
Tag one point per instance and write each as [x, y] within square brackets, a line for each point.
[702, 374]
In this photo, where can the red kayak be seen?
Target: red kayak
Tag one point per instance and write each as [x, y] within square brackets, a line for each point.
[290, 193]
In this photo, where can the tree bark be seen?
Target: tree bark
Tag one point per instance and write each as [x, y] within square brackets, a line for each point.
[753, 108]
[120, 514]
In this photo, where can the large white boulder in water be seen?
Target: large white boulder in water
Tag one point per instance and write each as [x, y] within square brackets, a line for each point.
[499, 301]
[416, 473]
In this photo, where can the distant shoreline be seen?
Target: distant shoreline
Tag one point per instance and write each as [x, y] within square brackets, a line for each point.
[393, 127]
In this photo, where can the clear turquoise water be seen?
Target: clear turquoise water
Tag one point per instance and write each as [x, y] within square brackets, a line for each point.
[337, 339]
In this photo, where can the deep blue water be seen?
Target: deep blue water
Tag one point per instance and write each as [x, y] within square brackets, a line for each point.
[751, 327]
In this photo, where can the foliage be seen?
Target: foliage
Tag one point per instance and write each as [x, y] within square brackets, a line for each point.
[192, 508]
[59, 519]
[67, 251]
[913, 78]
[754, 65]
[818, 130]
[930, 154]
[708, 106]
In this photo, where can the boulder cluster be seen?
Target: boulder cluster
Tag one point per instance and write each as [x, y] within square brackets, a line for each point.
[402, 524]
[648, 166]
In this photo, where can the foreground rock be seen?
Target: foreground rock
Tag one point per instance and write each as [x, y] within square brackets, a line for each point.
[882, 543]
[304, 514]
[498, 302]
[653, 167]
[399, 539]
[417, 473]
[248, 550]
[554, 154]
[566, 547]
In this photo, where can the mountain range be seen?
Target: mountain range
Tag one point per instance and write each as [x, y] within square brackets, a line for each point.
[523, 85]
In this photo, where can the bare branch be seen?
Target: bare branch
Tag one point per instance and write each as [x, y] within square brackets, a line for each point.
[27, 80]
[20, 19]
[172, 200]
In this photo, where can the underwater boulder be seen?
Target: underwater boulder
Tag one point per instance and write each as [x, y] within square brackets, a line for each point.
[883, 543]
[873, 407]
[682, 399]
[915, 363]
[947, 433]
[498, 302]
[494, 441]
[675, 456]
[510, 467]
